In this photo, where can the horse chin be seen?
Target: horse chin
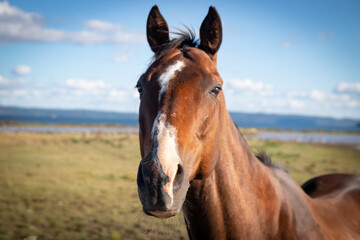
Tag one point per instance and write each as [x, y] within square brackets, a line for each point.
[162, 214]
[160, 211]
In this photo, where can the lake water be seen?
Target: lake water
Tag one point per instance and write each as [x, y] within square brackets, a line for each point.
[310, 137]
[328, 138]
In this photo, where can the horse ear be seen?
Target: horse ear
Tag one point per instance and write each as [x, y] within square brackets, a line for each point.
[211, 33]
[157, 30]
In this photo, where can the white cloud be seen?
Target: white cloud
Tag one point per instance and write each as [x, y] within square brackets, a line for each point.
[22, 69]
[15, 15]
[248, 86]
[313, 94]
[341, 100]
[317, 95]
[116, 93]
[353, 104]
[94, 91]
[19, 92]
[16, 25]
[102, 26]
[36, 93]
[119, 95]
[19, 26]
[295, 104]
[339, 97]
[83, 84]
[71, 93]
[297, 94]
[3, 80]
[345, 87]
[4, 92]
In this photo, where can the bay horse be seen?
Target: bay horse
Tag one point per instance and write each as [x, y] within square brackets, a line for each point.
[194, 158]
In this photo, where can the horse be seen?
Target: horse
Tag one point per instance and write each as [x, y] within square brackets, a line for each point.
[195, 159]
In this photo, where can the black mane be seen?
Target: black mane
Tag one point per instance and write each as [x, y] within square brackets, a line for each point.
[266, 159]
[186, 38]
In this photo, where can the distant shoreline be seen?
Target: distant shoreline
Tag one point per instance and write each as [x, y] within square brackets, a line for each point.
[250, 131]
[277, 122]
[245, 131]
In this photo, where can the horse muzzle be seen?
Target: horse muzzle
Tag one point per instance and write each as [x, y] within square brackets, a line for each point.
[160, 196]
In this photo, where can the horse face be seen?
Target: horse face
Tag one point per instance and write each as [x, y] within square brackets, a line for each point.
[180, 103]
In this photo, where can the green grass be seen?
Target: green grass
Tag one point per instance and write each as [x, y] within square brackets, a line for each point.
[306, 160]
[83, 186]
[38, 124]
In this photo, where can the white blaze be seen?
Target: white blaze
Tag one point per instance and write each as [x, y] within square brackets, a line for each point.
[166, 149]
[168, 75]
[165, 135]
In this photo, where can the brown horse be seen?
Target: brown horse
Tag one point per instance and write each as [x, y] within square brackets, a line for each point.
[195, 159]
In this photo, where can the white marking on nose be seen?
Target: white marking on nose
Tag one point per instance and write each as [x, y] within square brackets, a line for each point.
[164, 134]
[168, 75]
[155, 128]
[166, 149]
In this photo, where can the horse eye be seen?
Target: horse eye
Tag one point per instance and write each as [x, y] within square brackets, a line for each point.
[140, 89]
[215, 91]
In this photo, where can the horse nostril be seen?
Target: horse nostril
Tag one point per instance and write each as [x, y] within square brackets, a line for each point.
[140, 178]
[178, 177]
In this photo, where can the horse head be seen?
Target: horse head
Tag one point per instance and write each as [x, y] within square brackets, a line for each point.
[179, 115]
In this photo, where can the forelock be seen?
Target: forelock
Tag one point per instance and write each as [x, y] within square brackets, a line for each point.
[186, 38]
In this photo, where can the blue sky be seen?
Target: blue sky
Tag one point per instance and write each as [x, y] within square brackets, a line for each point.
[290, 57]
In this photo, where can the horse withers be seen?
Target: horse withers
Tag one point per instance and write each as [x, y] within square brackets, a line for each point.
[194, 158]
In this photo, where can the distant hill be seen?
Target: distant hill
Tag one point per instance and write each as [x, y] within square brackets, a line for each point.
[293, 122]
[256, 120]
[66, 116]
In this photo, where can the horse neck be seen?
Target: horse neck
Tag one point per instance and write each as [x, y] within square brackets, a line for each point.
[242, 198]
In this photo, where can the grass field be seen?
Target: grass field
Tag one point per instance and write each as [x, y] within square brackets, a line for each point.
[83, 186]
